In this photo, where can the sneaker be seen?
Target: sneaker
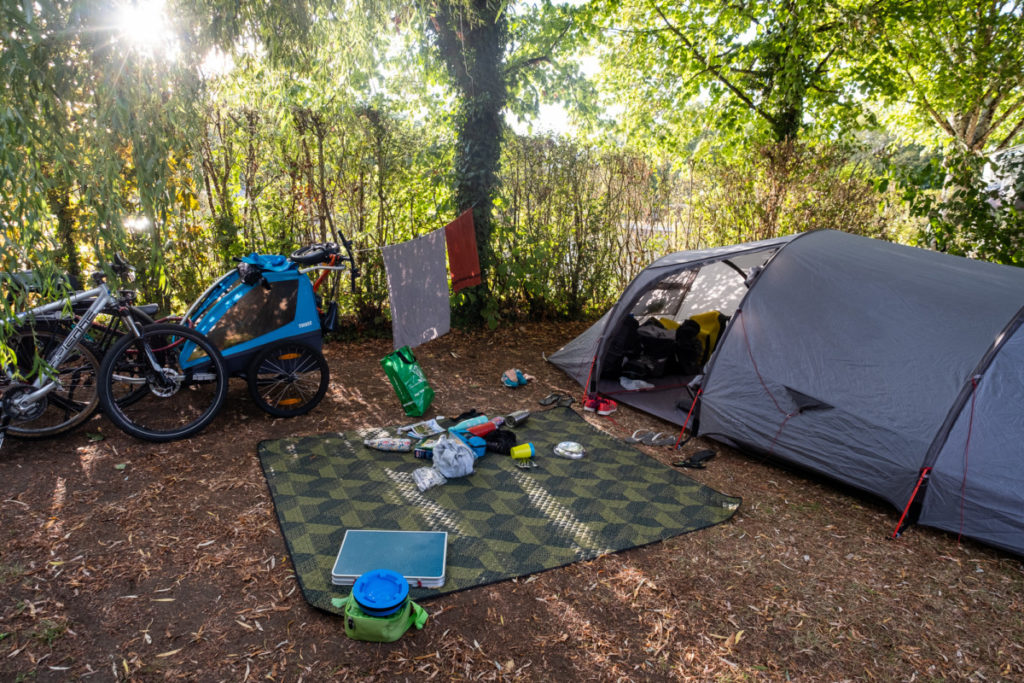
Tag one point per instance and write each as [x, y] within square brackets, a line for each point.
[601, 406]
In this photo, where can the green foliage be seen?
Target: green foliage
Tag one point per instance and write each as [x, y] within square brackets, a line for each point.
[546, 42]
[278, 173]
[960, 63]
[576, 224]
[785, 188]
[770, 61]
[979, 213]
[88, 122]
[97, 127]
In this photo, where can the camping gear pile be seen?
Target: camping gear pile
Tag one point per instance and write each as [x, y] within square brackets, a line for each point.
[662, 346]
[453, 450]
[501, 522]
[893, 369]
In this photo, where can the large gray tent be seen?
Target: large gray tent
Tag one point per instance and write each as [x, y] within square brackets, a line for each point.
[896, 370]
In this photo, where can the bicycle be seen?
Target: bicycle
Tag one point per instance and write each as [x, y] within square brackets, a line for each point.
[157, 382]
[106, 328]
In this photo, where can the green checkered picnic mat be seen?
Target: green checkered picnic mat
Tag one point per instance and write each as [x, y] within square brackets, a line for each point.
[502, 521]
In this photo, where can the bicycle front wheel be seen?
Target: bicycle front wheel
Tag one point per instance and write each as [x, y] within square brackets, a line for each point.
[73, 401]
[174, 376]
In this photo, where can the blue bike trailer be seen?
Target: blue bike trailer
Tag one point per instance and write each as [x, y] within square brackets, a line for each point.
[240, 318]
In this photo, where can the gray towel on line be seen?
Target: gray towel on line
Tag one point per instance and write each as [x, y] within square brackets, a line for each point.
[418, 287]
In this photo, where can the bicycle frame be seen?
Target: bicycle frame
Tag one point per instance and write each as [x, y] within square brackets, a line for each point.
[103, 299]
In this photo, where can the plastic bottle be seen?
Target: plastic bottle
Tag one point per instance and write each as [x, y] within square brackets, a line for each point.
[466, 424]
[485, 428]
[389, 443]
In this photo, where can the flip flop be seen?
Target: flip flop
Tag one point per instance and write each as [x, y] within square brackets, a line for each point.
[667, 440]
[697, 461]
[651, 438]
[638, 436]
[549, 399]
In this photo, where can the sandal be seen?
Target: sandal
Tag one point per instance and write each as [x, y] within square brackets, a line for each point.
[514, 378]
[638, 436]
[651, 438]
[667, 440]
[697, 461]
[565, 401]
[550, 398]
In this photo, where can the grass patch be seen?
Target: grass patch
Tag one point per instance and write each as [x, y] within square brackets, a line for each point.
[9, 573]
[49, 631]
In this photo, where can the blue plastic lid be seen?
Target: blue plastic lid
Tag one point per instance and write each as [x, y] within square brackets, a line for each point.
[380, 592]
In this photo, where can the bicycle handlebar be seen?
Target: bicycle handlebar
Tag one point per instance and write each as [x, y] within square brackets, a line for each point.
[120, 267]
[314, 253]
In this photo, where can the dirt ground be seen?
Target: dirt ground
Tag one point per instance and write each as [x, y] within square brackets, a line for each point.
[124, 560]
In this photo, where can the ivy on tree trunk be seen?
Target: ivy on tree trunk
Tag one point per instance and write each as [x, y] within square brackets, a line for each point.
[471, 39]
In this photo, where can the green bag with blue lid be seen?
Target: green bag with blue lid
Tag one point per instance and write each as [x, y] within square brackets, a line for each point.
[361, 626]
[378, 609]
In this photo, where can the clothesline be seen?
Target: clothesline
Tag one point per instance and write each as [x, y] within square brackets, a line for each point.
[418, 279]
[461, 216]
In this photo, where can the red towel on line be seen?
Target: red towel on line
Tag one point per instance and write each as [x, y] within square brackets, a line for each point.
[463, 259]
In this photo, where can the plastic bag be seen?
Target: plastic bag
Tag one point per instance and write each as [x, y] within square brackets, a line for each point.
[427, 478]
[408, 381]
[453, 458]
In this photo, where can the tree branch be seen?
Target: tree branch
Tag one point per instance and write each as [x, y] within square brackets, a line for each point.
[715, 70]
[1005, 142]
[527, 63]
[943, 124]
[533, 61]
[1007, 113]
[821, 65]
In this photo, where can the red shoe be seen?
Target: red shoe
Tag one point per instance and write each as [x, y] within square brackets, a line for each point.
[601, 406]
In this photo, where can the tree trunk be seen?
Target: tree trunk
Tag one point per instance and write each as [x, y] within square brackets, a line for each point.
[60, 204]
[471, 38]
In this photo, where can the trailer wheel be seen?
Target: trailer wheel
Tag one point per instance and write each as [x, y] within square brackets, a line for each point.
[288, 379]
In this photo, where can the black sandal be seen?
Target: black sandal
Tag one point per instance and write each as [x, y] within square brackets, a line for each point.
[697, 461]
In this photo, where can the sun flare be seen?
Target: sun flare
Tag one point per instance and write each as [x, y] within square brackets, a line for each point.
[144, 25]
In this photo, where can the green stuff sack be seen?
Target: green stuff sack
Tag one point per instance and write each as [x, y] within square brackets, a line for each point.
[408, 381]
[361, 626]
